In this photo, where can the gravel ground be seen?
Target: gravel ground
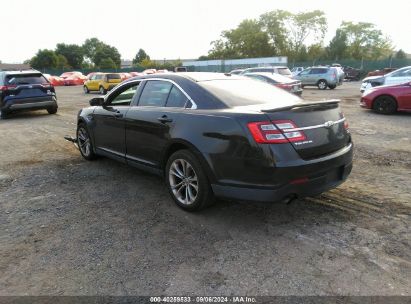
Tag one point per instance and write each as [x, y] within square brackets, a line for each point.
[71, 227]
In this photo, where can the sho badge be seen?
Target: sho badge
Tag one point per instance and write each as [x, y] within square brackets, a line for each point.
[303, 142]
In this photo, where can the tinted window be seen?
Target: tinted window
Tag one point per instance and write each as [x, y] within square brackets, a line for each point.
[113, 76]
[155, 93]
[318, 71]
[176, 98]
[123, 97]
[242, 92]
[258, 77]
[25, 79]
[99, 76]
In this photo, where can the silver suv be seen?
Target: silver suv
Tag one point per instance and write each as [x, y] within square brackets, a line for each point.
[322, 77]
[282, 70]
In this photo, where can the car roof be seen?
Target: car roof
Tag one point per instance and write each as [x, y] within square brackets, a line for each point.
[21, 72]
[270, 67]
[276, 77]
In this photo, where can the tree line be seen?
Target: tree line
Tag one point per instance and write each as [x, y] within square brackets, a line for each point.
[300, 37]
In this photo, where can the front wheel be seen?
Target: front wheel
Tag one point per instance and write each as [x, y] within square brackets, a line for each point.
[322, 84]
[84, 142]
[102, 91]
[52, 110]
[385, 105]
[187, 182]
[86, 90]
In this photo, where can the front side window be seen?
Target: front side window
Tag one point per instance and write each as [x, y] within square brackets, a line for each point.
[176, 98]
[155, 93]
[123, 96]
[402, 73]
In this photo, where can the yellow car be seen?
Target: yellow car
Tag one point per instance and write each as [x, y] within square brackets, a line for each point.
[102, 82]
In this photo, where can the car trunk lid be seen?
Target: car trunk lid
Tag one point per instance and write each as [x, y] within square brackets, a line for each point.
[314, 129]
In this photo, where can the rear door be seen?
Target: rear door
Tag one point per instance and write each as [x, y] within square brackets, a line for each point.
[313, 130]
[25, 87]
[304, 76]
[109, 122]
[149, 123]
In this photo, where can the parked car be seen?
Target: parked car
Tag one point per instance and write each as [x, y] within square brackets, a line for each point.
[381, 72]
[102, 82]
[236, 72]
[216, 135]
[322, 77]
[282, 82]
[388, 99]
[134, 74]
[282, 70]
[54, 80]
[75, 79]
[296, 70]
[149, 71]
[26, 90]
[396, 77]
[352, 74]
[125, 76]
[69, 74]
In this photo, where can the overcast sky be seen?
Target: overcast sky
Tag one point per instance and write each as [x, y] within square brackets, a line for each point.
[171, 28]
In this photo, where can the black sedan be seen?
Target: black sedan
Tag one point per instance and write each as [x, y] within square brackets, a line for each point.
[215, 135]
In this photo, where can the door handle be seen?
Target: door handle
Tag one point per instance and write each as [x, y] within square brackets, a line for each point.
[164, 119]
[118, 114]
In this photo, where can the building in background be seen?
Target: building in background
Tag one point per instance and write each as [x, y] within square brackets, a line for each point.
[14, 66]
[227, 65]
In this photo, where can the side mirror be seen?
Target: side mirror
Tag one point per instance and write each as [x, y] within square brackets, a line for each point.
[97, 101]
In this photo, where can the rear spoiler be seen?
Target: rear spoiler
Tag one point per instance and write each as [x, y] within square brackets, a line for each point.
[302, 105]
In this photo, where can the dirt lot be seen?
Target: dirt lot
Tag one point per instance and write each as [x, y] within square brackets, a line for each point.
[71, 227]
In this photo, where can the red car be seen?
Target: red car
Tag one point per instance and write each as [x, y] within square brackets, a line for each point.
[280, 81]
[54, 80]
[388, 99]
[134, 74]
[73, 78]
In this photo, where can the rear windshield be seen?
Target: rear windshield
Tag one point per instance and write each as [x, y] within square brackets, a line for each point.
[243, 92]
[25, 79]
[284, 71]
[113, 76]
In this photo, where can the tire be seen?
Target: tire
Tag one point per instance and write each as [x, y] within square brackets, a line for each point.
[52, 110]
[3, 114]
[102, 90]
[332, 87]
[187, 181]
[385, 105]
[84, 142]
[86, 90]
[322, 84]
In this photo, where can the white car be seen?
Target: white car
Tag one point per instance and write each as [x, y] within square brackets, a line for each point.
[396, 77]
[296, 70]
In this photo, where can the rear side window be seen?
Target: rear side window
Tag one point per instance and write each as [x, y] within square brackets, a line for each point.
[113, 76]
[155, 93]
[25, 79]
[176, 98]
[318, 71]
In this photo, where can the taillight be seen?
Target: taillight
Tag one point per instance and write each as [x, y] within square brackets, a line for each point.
[275, 132]
[345, 122]
[8, 87]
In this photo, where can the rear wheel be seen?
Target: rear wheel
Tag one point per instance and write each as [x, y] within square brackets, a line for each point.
[86, 90]
[322, 84]
[385, 105]
[3, 114]
[102, 90]
[52, 110]
[84, 142]
[187, 182]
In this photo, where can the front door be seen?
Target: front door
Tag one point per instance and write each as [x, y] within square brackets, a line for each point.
[151, 122]
[109, 122]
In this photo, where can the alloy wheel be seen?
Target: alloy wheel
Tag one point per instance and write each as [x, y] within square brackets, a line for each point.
[183, 181]
[84, 141]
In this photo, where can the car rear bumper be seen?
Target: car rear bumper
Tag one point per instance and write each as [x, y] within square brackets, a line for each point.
[32, 103]
[314, 179]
